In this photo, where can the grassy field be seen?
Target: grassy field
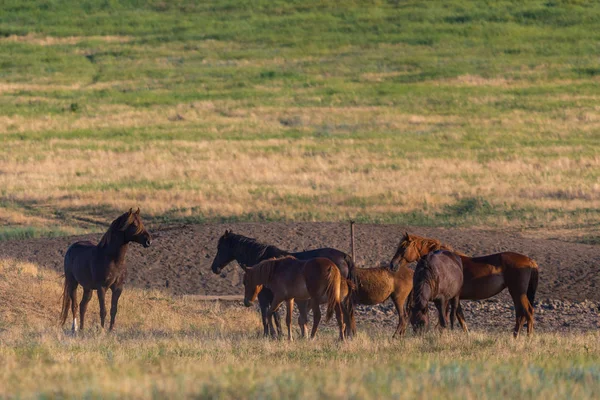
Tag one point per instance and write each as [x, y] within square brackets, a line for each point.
[175, 347]
[439, 113]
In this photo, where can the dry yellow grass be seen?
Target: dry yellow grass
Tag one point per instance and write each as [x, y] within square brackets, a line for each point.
[70, 40]
[221, 177]
[522, 154]
[168, 346]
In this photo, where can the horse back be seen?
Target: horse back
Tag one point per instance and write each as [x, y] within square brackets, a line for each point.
[506, 259]
[78, 262]
[339, 258]
[447, 268]
[375, 285]
[79, 249]
[319, 274]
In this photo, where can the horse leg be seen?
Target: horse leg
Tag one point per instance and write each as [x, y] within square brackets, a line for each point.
[529, 318]
[264, 300]
[73, 296]
[519, 317]
[87, 296]
[347, 322]
[288, 318]
[402, 317]
[458, 313]
[114, 303]
[273, 309]
[350, 325]
[339, 315]
[101, 297]
[277, 319]
[302, 316]
[442, 307]
[316, 317]
[523, 309]
[449, 314]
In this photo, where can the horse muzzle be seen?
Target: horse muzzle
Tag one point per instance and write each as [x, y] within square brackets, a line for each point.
[247, 302]
[147, 243]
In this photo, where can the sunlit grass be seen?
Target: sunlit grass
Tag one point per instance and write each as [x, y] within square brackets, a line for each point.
[436, 113]
[180, 347]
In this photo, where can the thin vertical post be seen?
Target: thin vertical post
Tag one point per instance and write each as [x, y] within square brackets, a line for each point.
[352, 240]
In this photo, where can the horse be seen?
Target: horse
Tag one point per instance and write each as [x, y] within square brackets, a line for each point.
[438, 278]
[484, 276]
[376, 285]
[317, 280]
[101, 267]
[247, 252]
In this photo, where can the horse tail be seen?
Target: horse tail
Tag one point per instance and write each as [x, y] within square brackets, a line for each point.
[348, 303]
[334, 280]
[533, 283]
[66, 302]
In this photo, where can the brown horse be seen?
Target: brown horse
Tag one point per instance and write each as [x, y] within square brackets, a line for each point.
[438, 278]
[248, 251]
[484, 276]
[376, 285]
[101, 267]
[291, 279]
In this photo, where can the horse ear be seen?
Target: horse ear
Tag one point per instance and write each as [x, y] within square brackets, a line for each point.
[130, 210]
[227, 232]
[138, 211]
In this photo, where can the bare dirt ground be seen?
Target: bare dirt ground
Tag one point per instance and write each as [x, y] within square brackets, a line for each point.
[180, 257]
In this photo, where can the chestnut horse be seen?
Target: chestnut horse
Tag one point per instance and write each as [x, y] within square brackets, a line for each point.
[438, 278]
[291, 279]
[101, 267]
[376, 285]
[248, 251]
[484, 276]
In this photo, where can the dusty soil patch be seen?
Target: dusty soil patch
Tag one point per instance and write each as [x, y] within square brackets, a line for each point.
[183, 255]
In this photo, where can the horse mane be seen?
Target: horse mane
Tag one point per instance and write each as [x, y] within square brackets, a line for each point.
[262, 273]
[250, 250]
[121, 224]
[424, 274]
[429, 243]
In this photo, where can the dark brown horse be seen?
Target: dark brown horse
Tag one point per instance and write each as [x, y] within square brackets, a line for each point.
[317, 280]
[438, 278]
[247, 252]
[376, 285]
[101, 267]
[484, 276]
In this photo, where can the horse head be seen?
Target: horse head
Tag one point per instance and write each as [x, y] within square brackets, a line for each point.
[406, 252]
[225, 253]
[251, 288]
[134, 229]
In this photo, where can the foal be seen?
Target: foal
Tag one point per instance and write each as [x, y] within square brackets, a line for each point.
[101, 267]
[291, 279]
[438, 278]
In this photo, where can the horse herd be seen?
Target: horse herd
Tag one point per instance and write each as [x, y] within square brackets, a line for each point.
[321, 276]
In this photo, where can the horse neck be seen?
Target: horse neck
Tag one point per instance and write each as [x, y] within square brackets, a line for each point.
[249, 253]
[263, 274]
[428, 278]
[427, 246]
[115, 249]
[419, 298]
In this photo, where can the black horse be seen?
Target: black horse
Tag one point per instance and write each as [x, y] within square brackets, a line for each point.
[248, 252]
